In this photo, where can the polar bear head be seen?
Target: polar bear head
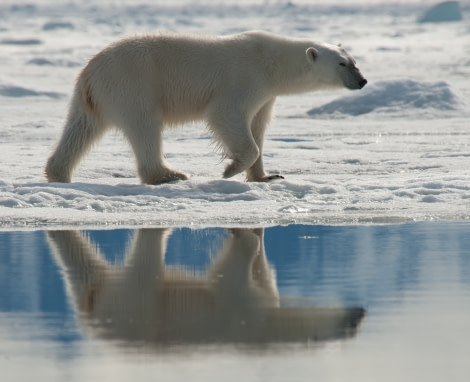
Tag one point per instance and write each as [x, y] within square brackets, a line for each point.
[334, 67]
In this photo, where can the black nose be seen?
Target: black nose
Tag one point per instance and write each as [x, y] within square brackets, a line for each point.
[362, 83]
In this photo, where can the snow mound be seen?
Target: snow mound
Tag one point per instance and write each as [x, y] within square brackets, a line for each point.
[19, 91]
[394, 96]
[55, 25]
[446, 11]
[42, 61]
[24, 41]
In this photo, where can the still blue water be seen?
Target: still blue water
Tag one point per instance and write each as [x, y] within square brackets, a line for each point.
[107, 295]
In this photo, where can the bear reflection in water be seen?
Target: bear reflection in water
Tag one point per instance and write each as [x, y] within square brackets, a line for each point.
[145, 301]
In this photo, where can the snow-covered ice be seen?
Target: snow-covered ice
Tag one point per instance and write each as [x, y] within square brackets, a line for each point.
[396, 151]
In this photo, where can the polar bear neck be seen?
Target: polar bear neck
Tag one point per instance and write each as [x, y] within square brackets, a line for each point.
[285, 63]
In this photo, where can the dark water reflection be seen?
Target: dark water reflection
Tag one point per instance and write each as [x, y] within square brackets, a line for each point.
[336, 303]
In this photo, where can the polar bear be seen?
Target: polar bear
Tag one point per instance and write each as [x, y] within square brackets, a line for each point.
[141, 84]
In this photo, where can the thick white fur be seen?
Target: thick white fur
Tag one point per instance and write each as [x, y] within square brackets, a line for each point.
[141, 84]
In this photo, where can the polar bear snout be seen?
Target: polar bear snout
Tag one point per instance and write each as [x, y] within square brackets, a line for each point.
[351, 76]
[354, 80]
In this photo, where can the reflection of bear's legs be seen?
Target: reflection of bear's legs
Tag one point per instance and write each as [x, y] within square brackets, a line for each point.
[235, 261]
[145, 137]
[258, 127]
[146, 259]
[262, 274]
[242, 273]
[84, 267]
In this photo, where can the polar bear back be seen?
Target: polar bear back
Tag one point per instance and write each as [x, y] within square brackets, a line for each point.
[184, 74]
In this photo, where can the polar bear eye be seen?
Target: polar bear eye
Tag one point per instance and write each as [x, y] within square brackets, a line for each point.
[342, 64]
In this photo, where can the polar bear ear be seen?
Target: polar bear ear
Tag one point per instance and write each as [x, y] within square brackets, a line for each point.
[312, 54]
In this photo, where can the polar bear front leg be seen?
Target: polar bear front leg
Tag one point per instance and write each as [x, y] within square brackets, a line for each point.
[244, 152]
[231, 130]
[258, 127]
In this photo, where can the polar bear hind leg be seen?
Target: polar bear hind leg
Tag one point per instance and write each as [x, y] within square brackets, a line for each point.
[81, 130]
[145, 138]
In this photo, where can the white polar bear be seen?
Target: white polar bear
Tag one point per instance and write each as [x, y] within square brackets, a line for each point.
[140, 84]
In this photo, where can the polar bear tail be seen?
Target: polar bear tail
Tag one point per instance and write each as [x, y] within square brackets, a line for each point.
[82, 128]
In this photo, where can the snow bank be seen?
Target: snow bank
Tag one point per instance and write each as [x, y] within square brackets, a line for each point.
[400, 96]
[446, 11]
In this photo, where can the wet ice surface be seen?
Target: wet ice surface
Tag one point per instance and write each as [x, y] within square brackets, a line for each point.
[395, 151]
[329, 303]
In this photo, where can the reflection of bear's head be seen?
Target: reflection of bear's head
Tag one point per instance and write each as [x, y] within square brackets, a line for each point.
[338, 68]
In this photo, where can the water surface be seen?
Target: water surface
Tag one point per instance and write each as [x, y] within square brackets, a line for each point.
[297, 302]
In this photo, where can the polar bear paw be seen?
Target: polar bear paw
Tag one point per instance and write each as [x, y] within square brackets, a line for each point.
[272, 177]
[265, 178]
[167, 177]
